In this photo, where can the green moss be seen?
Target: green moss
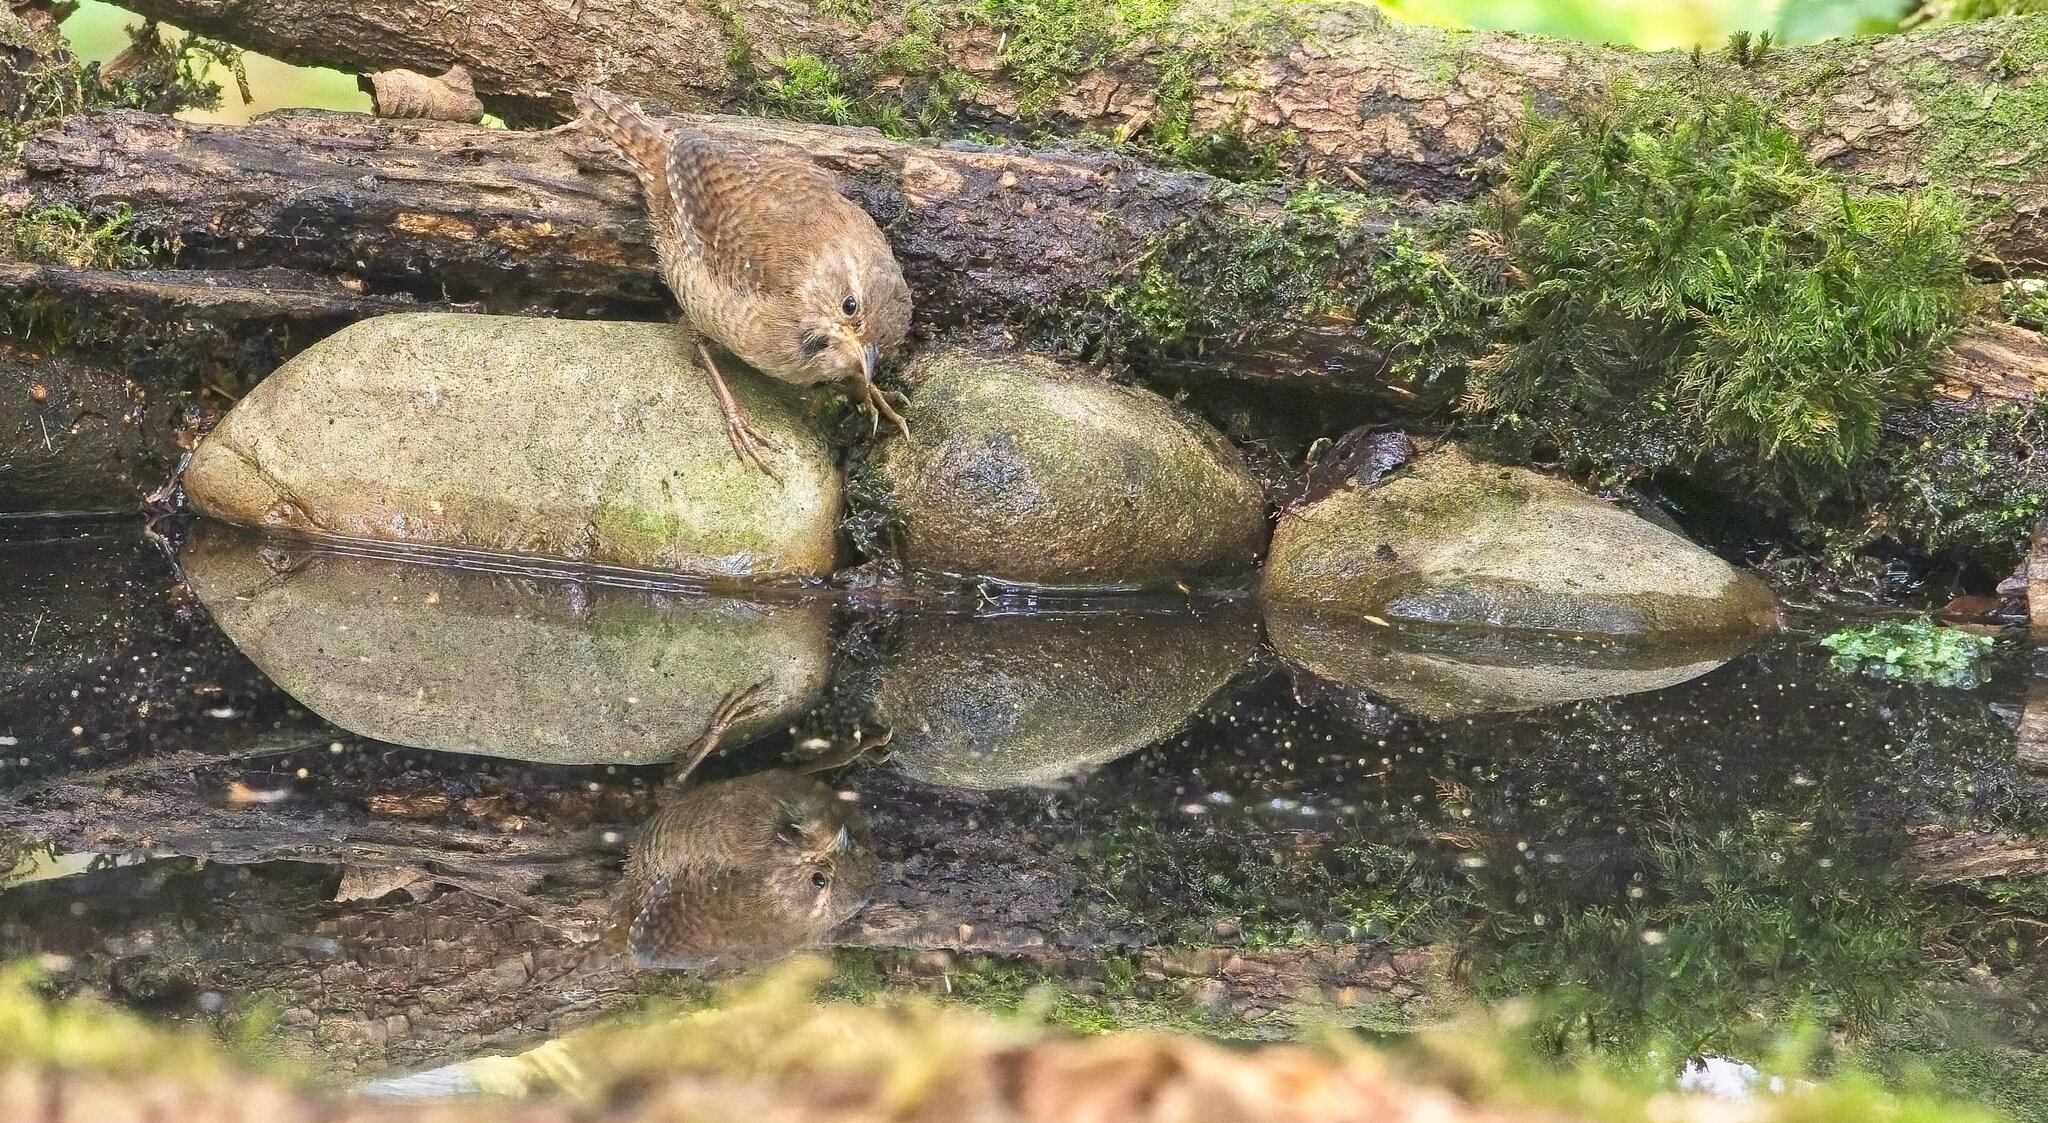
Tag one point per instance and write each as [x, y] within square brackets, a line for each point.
[856, 13]
[810, 89]
[905, 87]
[1965, 482]
[1678, 278]
[1961, 11]
[62, 235]
[1327, 258]
[1988, 128]
[1114, 1002]
[900, 88]
[45, 83]
[2025, 302]
[739, 46]
[1910, 651]
[1277, 892]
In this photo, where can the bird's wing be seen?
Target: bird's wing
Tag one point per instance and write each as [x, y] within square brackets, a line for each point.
[756, 221]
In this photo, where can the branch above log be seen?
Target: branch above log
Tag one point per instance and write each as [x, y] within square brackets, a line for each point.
[1334, 87]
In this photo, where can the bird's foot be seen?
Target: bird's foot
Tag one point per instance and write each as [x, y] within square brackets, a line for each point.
[747, 441]
[750, 443]
[875, 400]
[736, 708]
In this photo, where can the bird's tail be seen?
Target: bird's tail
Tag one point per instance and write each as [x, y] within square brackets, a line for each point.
[645, 143]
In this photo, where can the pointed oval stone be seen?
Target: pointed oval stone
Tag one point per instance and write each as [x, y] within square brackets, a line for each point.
[1452, 540]
[583, 440]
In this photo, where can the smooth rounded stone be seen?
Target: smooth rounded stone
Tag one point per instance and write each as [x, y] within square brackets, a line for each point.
[1452, 540]
[521, 667]
[1441, 673]
[985, 702]
[582, 440]
[1024, 471]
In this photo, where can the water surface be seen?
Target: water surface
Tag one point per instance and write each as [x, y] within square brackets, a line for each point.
[396, 808]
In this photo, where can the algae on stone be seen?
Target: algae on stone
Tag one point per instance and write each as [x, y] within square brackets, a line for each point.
[986, 702]
[458, 660]
[582, 440]
[1024, 471]
[1454, 541]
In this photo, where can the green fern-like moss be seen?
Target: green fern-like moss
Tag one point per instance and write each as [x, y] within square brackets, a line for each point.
[1678, 278]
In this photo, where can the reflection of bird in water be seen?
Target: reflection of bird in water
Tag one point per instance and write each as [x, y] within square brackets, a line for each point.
[741, 870]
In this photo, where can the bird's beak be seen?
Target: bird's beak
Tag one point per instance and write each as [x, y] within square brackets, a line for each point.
[870, 358]
[838, 844]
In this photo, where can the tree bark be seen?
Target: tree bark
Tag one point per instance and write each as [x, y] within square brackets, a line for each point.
[1335, 88]
[369, 214]
[375, 216]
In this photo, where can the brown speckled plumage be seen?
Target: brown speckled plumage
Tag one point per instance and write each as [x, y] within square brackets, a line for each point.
[766, 258]
[739, 871]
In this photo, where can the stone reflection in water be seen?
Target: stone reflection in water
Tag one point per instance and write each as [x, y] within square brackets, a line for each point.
[555, 672]
[1447, 673]
[989, 702]
[737, 872]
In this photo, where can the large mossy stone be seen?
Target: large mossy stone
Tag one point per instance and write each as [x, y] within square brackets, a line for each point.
[1022, 470]
[582, 440]
[985, 702]
[525, 668]
[1442, 673]
[1452, 540]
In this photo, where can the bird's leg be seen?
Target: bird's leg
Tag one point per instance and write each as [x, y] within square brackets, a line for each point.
[876, 402]
[746, 440]
[737, 706]
[862, 746]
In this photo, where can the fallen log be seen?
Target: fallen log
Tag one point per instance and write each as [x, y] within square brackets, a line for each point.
[1189, 281]
[997, 242]
[1322, 88]
[994, 242]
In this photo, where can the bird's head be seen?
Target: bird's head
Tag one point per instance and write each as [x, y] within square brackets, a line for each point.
[822, 868]
[854, 312]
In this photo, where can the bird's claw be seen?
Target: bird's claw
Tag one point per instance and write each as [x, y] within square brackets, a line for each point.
[736, 708]
[876, 401]
[739, 706]
[749, 443]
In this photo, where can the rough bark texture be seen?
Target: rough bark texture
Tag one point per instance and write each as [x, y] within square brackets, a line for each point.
[550, 223]
[1340, 89]
[372, 215]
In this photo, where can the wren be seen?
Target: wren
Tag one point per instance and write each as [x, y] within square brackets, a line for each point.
[738, 871]
[767, 259]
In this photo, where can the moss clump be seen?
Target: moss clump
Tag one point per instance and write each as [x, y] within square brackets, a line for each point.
[1910, 651]
[1678, 278]
[2025, 302]
[44, 83]
[1965, 484]
[1327, 258]
[920, 95]
[905, 87]
[63, 235]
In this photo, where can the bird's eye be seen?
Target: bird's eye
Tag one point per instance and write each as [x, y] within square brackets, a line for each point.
[850, 306]
[819, 880]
